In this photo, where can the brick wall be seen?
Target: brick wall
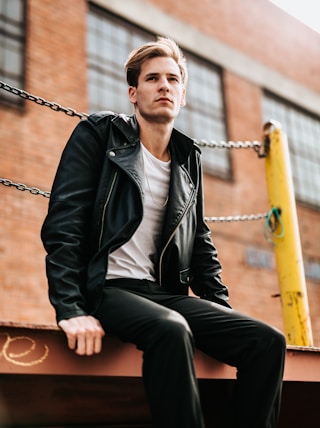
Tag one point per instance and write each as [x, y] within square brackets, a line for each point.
[31, 144]
[32, 140]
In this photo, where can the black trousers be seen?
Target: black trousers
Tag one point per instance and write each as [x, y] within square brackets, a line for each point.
[167, 327]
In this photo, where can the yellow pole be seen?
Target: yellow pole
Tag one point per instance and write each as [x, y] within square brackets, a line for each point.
[286, 238]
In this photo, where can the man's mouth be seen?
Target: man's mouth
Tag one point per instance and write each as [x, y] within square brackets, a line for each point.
[164, 99]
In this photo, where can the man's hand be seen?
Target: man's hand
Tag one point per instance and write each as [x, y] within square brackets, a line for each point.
[84, 334]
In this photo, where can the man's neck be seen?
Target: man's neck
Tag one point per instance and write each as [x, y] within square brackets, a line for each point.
[155, 137]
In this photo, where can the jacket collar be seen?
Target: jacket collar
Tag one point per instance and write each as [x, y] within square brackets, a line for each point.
[182, 187]
[180, 145]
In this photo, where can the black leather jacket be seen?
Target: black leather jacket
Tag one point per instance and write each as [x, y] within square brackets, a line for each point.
[96, 205]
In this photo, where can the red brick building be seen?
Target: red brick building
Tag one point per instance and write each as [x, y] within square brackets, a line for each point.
[248, 61]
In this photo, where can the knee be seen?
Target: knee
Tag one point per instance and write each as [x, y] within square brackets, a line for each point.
[279, 341]
[175, 323]
[175, 328]
[277, 338]
[274, 342]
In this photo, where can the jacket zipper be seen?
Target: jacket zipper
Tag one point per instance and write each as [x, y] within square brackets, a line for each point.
[105, 207]
[170, 238]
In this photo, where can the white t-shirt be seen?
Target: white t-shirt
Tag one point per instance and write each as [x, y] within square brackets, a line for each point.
[136, 258]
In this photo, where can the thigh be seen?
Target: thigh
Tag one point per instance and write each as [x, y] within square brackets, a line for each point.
[219, 331]
[133, 317]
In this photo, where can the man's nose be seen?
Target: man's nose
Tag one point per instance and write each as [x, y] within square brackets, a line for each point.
[163, 84]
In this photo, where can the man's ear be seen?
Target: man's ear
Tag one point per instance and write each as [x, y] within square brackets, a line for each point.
[183, 98]
[132, 94]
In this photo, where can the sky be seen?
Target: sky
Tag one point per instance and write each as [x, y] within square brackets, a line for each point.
[307, 11]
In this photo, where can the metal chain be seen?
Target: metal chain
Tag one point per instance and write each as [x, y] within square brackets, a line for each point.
[229, 144]
[36, 191]
[71, 112]
[41, 101]
[23, 187]
[235, 218]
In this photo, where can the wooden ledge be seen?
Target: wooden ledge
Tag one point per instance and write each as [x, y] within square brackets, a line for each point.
[33, 349]
[44, 384]
[42, 349]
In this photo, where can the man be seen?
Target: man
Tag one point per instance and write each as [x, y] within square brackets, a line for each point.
[125, 238]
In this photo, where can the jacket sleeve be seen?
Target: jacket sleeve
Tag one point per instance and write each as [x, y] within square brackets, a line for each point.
[206, 268]
[65, 232]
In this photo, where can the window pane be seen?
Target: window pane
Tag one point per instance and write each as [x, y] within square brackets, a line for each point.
[303, 132]
[110, 40]
[12, 45]
[14, 9]
[12, 58]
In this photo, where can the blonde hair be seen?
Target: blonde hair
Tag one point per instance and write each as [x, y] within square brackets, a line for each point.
[163, 47]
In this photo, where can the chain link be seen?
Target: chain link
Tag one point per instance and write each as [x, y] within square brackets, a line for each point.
[235, 218]
[23, 187]
[228, 144]
[41, 101]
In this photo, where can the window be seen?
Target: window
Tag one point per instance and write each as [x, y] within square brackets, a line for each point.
[12, 46]
[203, 116]
[110, 40]
[303, 132]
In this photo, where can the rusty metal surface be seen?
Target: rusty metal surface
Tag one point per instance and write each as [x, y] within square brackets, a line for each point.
[44, 384]
[119, 402]
[302, 364]
[26, 349]
[42, 400]
[29, 349]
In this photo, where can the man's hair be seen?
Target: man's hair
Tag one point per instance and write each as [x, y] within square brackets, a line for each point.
[163, 47]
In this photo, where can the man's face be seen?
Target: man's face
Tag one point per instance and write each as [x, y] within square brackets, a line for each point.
[160, 92]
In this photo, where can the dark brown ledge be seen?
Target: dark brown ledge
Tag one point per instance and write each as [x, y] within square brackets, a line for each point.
[43, 383]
